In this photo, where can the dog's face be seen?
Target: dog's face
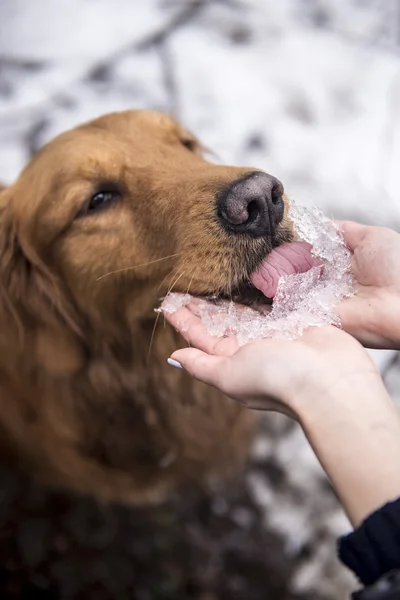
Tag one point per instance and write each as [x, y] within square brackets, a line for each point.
[126, 207]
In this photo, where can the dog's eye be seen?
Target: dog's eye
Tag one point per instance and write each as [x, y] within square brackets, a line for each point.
[101, 200]
[189, 144]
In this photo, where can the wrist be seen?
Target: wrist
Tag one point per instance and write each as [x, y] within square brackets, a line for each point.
[328, 394]
[355, 434]
[353, 394]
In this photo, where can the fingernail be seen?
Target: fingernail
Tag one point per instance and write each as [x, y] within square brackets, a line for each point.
[174, 363]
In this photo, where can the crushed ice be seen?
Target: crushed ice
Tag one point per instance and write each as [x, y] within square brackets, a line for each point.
[302, 300]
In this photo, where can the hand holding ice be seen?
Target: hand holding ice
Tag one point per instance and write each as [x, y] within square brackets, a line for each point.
[305, 297]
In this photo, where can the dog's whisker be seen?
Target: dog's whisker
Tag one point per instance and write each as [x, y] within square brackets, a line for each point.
[152, 336]
[175, 282]
[136, 266]
[168, 275]
[169, 290]
[190, 284]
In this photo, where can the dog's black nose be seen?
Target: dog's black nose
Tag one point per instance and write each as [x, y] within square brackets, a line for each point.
[252, 205]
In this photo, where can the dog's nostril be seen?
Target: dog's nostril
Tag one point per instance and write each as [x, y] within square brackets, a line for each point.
[277, 200]
[253, 210]
[277, 193]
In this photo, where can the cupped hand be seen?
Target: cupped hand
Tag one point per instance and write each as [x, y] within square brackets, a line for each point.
[279, 375]
[373, 315]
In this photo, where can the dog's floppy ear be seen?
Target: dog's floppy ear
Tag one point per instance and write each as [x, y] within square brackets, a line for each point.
[30, 293]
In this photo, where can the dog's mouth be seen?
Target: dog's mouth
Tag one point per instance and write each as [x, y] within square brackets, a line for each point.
[288, 259]
[246, 293]
[260, 288]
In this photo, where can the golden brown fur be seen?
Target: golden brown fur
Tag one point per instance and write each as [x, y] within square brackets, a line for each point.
[87, 400]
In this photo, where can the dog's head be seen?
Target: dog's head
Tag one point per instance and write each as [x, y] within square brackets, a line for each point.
[124, 208]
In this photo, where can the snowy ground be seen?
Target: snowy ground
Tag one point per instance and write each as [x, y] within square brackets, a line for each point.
[307, 89]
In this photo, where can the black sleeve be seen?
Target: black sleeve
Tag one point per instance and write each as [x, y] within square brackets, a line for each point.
[386, 588]
[373, 549]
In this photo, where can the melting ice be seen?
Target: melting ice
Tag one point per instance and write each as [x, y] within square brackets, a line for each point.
[302, 300]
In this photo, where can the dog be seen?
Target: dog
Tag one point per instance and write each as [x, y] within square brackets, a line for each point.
[101, 224]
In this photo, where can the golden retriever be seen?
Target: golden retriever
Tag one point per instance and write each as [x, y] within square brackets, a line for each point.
[99, 226]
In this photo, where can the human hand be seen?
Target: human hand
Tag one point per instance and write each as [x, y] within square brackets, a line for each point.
[328, 382]
[373, 315]
[280, 375]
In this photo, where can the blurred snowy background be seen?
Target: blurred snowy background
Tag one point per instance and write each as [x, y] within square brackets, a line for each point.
[307, 89]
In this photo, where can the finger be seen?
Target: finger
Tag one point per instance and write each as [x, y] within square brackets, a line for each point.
[196, 304]
[183, 320]
[191, 328]
[200, 365]
[353, 233]
[194, 332]
[219, 372]
[356, 315]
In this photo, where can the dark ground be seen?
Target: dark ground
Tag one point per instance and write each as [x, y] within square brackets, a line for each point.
[53, 546]
[208, 546]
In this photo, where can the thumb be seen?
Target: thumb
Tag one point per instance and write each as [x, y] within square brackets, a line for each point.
[353, 233]
[200, 365]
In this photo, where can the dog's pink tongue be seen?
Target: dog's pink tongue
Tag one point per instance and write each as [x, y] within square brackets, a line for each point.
[288, 259]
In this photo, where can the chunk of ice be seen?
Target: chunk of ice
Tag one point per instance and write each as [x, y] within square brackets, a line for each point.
[174, 302]
[302, 300]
